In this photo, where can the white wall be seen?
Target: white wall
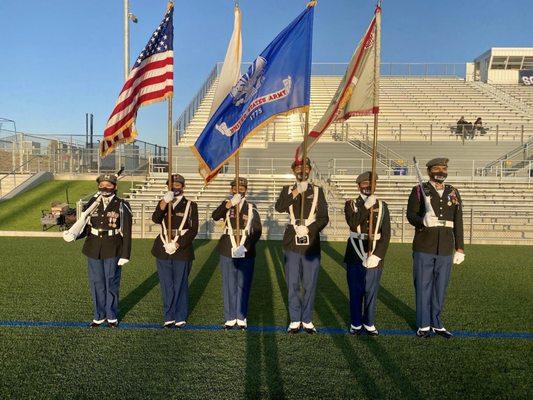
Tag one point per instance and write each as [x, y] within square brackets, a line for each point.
[503, 76]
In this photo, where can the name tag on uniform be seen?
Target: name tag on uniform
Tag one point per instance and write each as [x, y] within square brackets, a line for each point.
[310, 196]
[301, 240]
[180, 214]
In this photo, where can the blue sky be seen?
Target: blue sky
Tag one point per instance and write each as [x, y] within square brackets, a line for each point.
[60, 59]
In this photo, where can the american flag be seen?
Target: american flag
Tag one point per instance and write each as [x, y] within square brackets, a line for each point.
[150, 80]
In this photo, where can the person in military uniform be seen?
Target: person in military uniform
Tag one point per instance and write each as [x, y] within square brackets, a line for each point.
[438, 242]
[107, 247]
[364, 271]
[301, 244]
[174, 255]
[237, 254]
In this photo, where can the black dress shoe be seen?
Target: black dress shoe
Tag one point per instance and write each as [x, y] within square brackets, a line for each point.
[355, 331]
[444, 333]
[229, 327]
[112, 324]
[95, 324]
[423, 334]
[169, 326]
[374, 332]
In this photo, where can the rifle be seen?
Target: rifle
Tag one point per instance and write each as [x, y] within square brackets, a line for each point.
[77, 228]
[427, 200]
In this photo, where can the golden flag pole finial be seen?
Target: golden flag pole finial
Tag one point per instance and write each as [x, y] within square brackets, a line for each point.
[170, 4]
[312, 3]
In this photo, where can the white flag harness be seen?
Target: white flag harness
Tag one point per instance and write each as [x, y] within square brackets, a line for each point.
[359, 248]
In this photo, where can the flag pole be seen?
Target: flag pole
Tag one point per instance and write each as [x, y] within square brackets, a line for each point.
[304, 158]
[170, 156]
[238, 206]
[375, 139]
[170, 152]
[312, 3]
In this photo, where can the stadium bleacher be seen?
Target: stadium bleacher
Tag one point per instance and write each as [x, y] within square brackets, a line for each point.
[411, 108]
[416, 117]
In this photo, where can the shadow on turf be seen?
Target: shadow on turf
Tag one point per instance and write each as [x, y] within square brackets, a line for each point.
[201, 280]
[392, 302]
[327, 310]
[263, 347]
[137, 294]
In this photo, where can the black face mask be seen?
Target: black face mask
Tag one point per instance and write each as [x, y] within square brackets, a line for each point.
[438, 177]
[302, 176]
[177, 192]
[366, 191]
[106, 192]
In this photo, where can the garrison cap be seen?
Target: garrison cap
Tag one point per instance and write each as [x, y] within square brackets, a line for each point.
[365, 176]
[177, 178]
[242, 182]
[112, 178]
[295, 163]
[437, 161]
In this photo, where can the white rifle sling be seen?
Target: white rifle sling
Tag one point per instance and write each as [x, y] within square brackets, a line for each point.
[229, 228]
[359, 248]
[312, 217]
[181, 231]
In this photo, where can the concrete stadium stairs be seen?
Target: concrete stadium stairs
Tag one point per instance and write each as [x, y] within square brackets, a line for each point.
[11, 181]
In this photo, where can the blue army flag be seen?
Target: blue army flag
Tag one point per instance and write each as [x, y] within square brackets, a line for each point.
[278, 82]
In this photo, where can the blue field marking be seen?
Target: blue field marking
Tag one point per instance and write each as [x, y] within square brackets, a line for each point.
[259, 329]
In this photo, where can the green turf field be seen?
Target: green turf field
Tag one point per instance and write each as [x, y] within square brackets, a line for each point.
[23, 212]
[45, 280]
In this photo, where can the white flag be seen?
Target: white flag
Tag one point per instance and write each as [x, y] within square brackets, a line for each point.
[231, 70]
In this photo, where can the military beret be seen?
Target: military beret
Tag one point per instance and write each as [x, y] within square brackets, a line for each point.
[365, 176]
[112, 178]
[295, 163]
[177, 178]
[242, 182]
[437, 161]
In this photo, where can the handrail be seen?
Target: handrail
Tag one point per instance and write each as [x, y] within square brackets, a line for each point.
[188, 113]
[382, 158]
[20, 166]
[517, 150]
[508, 97]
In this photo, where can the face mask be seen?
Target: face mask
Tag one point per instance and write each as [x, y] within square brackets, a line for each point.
[241, 193]
[106, 192]
[177, 192]
[438, 177]
[302, 176]
[366, 191]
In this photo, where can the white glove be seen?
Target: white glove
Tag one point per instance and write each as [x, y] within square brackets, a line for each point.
[236, 199]
[122, 261]
[372, 261]
[458, 257]
[301, 230]
[170, 248]
[302, 186]
[68, 237]
[240, 251]
[430, 220]
[370, 201]
[168, 197]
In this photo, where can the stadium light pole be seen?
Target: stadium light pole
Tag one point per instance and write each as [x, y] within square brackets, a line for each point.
[128, 16]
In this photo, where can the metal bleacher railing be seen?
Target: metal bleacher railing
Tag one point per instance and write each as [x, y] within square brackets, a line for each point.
[70, 154]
